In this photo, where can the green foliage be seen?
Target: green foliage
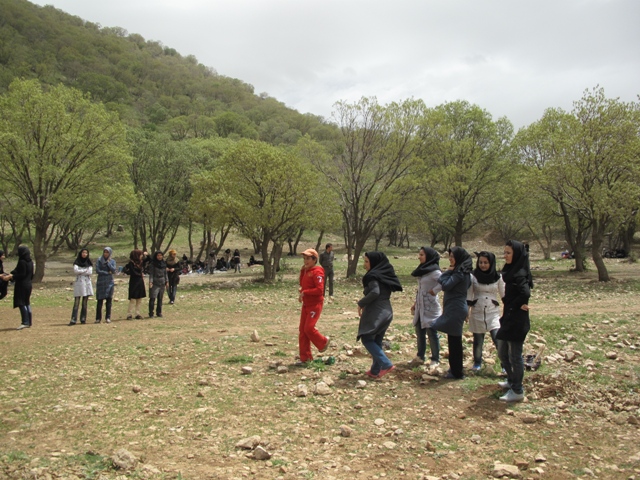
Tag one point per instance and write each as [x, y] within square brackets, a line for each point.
[240, 359]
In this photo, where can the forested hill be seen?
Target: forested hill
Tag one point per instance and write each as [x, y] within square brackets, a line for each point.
[150, 85]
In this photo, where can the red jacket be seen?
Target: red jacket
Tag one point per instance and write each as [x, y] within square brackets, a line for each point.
[312, 285]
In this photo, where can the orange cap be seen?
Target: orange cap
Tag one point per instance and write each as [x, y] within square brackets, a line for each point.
[310, 252]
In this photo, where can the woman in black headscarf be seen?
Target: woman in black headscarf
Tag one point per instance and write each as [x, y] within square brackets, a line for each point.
[514, 323]
[454, 282]
[135, 270]
[82, 288]
[158, 282]
[22, 275]
[3, 284]
[375, 309]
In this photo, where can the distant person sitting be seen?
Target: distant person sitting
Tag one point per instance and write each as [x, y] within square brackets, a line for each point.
[253, 261]
[221, 265]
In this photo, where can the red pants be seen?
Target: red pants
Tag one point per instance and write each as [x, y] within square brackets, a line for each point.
[309, 333]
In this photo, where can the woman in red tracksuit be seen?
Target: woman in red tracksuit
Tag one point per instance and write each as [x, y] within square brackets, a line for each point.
[311, 297]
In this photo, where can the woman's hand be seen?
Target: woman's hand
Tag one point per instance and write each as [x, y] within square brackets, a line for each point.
[359, 311]
[432, 293]
[525, 307]
[413, 309]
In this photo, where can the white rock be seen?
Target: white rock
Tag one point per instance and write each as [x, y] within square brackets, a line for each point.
[389, 445]
[255, 337]
[261, 454]
[378, 422]
[322, 388]
[361, 384]
[247, 370]
[282, 369]
[502, 470]
[302, 391]
[249, 443]
[346, 431]
[124, 459]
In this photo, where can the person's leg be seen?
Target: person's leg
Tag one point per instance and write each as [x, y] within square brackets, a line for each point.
[24, 315]
[495, 341]
[108, 312]
[159, 307]
[74, 311]
[455, 355]
[330, 280]
[131, 309]
[478, 342]
[421, 334]
[503, 354]
[99, 303]
[434, 344]
[310, 330]
[517, 366]
[373, 344]
[83, 311]
[152, 301]
[138, 303]
[304, 344]
[30, 315]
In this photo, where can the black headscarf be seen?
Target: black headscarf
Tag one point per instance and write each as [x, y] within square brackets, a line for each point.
[519, 266]
[158, 263]
[491, 275]
[464, 263]
[431, 264]
[83, 262]
[382, 271]
[24, 253]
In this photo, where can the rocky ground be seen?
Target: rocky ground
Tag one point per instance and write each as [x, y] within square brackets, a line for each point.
[211, 390]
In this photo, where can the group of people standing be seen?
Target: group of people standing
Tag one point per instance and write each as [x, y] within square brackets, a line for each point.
[470, 294]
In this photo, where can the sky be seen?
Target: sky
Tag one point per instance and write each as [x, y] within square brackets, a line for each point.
[512, 58]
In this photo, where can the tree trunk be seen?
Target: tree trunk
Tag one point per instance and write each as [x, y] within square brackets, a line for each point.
[40, 254]
[190, 237]
[597, 240]
[457, 235]
[319, 242]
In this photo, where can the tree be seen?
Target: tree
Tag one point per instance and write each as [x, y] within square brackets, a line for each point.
[466, 155]
[376, 150]
[266, 191]
[63, 159]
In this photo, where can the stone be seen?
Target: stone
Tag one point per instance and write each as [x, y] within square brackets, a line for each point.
[346, 431]
[255, 337]
[249, 443]
[611, 355]
[503, 470]
[136, 389]
[302, 391]
[247, 370]
[475, 438]
[261, 454]
[282, 369]
[322, 388]
[151, 469]
[430, 378]
[124, 459]
[430, 447]
[328, 380]
[569, 356]
[361, 384]
[540, 458]
[390, 445]
[378, 422]
[633, 420]
[529, 418]
[522, 464]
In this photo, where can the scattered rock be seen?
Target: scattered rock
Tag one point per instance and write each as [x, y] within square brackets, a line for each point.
[361, 384]
[249, 443]
[475, 438]
[390, 445]
[247, 370]
[322, 388]
[378, 422]
[430, 378]
[530, 418]
[124, 459]
[611, 355]
[261, 454]
[136, 389]
[328, 381]
[282, 369]
[346, 431]
[503, 470]
[255, 337]
[302, 391]
[540, 458]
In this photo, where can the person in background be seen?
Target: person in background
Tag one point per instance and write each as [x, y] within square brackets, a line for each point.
[514, 323]
[426, 308]
[326, 262]
[158, 282]
[135, 270]
[173, 273]
[374, 310]
[455, 282]
[484, 309]
[311, 296]
[105, 286]
[22, 277]
[82, 288]
[3, 285]
[236, 261]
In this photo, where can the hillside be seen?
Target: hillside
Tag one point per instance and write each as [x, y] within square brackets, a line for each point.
[150, 85]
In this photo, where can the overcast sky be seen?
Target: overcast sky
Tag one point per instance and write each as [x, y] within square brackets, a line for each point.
[512, 58]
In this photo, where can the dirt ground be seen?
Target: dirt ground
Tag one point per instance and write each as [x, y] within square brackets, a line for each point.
[172, 392]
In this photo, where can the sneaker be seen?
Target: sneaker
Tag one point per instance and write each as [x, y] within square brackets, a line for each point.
[512, 396]
[451, 376]
[326, 345]
[139, 317]
[505, 385]
[23, 326]
[71, 324]
[129, 317]
[369, 374]
[299, 363]
[386, 370]
[97, 321]
[159, 315]
[416, 362]
[434, 363]
[171, 302]
[108, 320]
[150, 315]
[476, 367]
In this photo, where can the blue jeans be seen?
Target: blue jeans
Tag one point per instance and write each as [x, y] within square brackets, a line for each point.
[510, 354]
[373, 344]
[434, 342]
[25, 314]
[478, 342]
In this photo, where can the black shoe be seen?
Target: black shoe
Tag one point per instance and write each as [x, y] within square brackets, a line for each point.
[82, 323]
[139, 317]
[151, 315]
[71, 324]
[98, 321]
[159, 315]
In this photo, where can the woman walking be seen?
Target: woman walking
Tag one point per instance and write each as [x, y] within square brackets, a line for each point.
[426, 308]
[173, 272]
[137, 292]
[375, 310]
[22, 276]
[482, 297]
[158, 282]
[514, 323]
[455, 282]
[82, 288]
[105, 267]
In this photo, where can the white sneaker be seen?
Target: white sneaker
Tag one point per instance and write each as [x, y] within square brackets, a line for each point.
[512, 396]
[433, 363]
[326, 345]
[505, 385]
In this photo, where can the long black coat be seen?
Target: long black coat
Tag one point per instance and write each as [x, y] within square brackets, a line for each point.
[514, 323]
[377, 313]
[22, 276]
[136, 281]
